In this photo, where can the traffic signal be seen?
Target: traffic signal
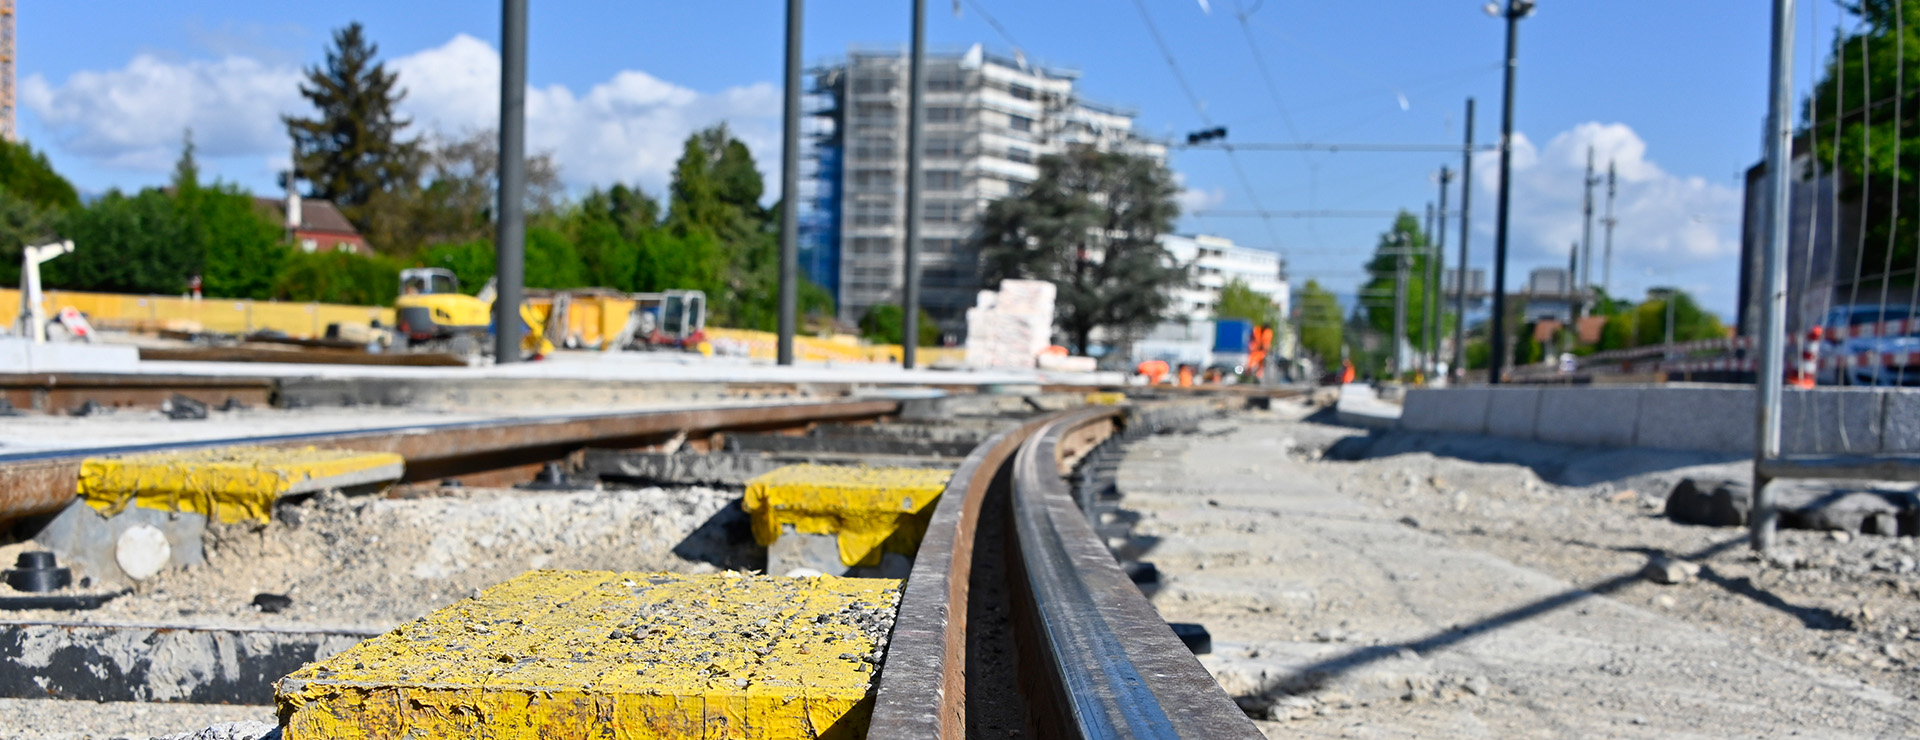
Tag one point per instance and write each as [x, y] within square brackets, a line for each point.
[1206, 135]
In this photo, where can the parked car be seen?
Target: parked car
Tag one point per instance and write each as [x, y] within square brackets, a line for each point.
[1836, 341]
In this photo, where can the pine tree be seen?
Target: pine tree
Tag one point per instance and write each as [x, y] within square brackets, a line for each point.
[353, 153]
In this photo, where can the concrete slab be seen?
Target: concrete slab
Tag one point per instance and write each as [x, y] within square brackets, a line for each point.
[1830, 420]
[18, 355]
[1714, 418]
[229, 484]
[869, 510]
[1360, 406]
[155, 663]
[86, 540]
[1596, 417]
[603, 654]
[1456, 410]
[1902, 430]
[1511, 412]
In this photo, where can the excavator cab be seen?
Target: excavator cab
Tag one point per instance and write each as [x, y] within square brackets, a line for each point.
[433, 314]
[428, 281]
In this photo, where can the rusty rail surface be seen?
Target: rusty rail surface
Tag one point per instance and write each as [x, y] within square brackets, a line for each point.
[42, 482]
[922, 690]
[1102, 659]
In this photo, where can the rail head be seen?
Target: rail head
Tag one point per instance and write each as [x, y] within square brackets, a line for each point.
[1112, 662]
[921, 692]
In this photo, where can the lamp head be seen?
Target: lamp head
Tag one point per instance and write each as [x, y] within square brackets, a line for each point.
[1492, 8]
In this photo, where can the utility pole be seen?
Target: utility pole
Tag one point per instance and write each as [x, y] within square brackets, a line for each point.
[1774, 272]
[1400, 305]
[790, 190]
[916, 117]
[1436, 274]
[1515, 10]
[510, 245]
[1460, 284]
[1606, 262]
[1426, 299]
[1586, 237]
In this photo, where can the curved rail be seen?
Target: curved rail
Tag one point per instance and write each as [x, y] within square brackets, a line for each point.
[1109, 659]
[927, 655]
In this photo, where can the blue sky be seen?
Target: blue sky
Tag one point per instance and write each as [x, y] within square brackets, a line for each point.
[1674, 91]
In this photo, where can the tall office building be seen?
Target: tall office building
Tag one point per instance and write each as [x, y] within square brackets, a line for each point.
[988, 119]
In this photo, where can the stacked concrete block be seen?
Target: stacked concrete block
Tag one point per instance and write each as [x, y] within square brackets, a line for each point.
[1009, 328]
[1595, 417]
[1451, 410]
[1703, 417]
[1831, 421]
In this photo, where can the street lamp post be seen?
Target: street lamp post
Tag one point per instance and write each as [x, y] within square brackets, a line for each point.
[1513, 12]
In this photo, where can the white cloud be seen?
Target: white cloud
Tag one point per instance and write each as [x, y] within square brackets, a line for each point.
[1200, 199]
[1667, 223]
[629, 128]
[132, 118]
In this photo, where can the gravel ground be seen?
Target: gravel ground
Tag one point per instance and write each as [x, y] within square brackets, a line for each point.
[372, 563]
[1415, 595]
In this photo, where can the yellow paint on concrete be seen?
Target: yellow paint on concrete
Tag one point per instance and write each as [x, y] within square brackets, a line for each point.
[1110, 398]
[619, 656]
[229, 484]
[869, 510]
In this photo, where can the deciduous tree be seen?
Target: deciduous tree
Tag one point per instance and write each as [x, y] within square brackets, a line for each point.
[1090, 224]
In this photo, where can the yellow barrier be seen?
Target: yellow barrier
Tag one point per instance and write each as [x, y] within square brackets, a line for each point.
[592, 320]
[227, 316]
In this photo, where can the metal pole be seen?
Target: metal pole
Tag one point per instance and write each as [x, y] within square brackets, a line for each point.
[1586, 239]
[1426, 299]
[1496, 358]
[1774, 272]
[790, 190]
[1436, 272]
[510, 244]
[1460, 284]
[916, 117]
[1400, 307]
[1606, 263]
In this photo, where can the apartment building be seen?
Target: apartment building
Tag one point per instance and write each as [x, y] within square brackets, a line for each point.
[1218, 261]
[988, 119]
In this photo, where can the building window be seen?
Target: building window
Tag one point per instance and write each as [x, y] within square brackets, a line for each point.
[873, 85]
[1020, 123]
[872, 214]
[343, 246]
[944, 211]
[309, 245]
[945, 83]
[944, 114]
[943, 180]
[1020, 155]
[1020, 92]
[941, 146]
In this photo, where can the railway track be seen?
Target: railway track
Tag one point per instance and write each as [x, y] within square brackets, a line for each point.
[1015, 619]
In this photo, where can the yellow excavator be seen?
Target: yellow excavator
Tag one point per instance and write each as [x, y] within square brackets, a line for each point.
[434, 316]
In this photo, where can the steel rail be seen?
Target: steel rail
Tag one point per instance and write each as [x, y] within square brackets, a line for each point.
[1105, 659]
[38, 483]
[922, 690]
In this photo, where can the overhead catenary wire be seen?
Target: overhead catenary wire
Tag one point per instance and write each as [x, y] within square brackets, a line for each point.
[993, 23]
[1199, 107]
